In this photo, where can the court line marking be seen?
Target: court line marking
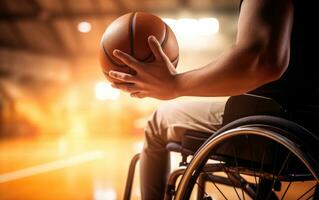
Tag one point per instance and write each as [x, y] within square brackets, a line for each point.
[51, 166]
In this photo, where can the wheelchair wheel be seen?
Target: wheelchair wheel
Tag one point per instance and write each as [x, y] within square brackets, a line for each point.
[257, 157]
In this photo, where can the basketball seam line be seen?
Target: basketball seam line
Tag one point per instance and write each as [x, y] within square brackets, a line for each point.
[131, 30]
[164, 42]
[175, 59]
[151, 57]
[111, 59]
[107, 53]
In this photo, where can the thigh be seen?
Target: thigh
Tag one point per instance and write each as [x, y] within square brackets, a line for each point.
[177, 117]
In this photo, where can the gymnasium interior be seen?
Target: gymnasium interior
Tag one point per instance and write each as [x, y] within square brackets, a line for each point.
[65, 133]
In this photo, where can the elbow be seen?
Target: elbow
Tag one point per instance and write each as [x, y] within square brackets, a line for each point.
[271, 66]
[273, 70]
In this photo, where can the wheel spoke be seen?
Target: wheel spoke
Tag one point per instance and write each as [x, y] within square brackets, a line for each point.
[304, 194]
[251, 158]
[231, 180]
[260, 170]
[236, 164]
[287, 188]
[211, 180]
[284, 164]
[310, 196]
[273, 176]
[280, 170]
[220, 190]
[201, 188]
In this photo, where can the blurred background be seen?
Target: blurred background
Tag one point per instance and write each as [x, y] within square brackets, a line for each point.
[64, 132]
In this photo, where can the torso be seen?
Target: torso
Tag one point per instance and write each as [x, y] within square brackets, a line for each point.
[300, 83]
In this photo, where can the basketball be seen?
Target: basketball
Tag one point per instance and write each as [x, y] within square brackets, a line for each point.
[129, 33]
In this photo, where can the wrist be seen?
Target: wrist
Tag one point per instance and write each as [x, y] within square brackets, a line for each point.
[177, 85]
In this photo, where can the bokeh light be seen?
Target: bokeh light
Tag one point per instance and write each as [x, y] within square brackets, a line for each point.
[105, 194]
[104, 91]
[193, 27]
[84, 27]
[200, 32]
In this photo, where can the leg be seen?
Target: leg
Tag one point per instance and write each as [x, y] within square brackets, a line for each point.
[169, 123]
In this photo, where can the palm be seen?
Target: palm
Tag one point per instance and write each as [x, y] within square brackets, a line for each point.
[156, 79]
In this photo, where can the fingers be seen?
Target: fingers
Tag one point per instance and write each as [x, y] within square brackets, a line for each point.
[127, 59]
[131, 88]
[153, 43]
[109, 78]
[127, 87]
[157, 49]
[139, 95]
[122, 76]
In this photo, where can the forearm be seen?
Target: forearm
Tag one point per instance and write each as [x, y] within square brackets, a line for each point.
[235, 72]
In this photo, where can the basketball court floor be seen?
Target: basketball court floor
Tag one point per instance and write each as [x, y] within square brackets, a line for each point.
[65, 169]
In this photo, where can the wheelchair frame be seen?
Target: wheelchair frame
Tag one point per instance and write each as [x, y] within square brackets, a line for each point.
[190, 170]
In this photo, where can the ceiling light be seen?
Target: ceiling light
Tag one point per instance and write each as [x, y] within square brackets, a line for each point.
[84, 27]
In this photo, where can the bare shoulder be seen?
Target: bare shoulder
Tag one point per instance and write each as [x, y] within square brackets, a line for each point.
[261, 19]
[264, 27]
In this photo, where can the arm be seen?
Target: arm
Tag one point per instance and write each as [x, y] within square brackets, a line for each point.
[260, 55]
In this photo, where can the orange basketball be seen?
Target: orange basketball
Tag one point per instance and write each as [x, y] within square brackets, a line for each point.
[129, 33]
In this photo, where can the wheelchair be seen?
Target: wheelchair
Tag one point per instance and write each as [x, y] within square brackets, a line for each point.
[262, 151]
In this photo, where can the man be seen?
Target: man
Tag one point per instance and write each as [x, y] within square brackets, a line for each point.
[271, 57]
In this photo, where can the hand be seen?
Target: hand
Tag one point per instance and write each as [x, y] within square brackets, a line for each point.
[123, 69]
[156, 79]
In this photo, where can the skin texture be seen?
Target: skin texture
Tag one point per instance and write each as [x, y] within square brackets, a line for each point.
[259, 55]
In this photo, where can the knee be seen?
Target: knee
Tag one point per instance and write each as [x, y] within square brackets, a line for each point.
[158, 124]
[162, 117]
